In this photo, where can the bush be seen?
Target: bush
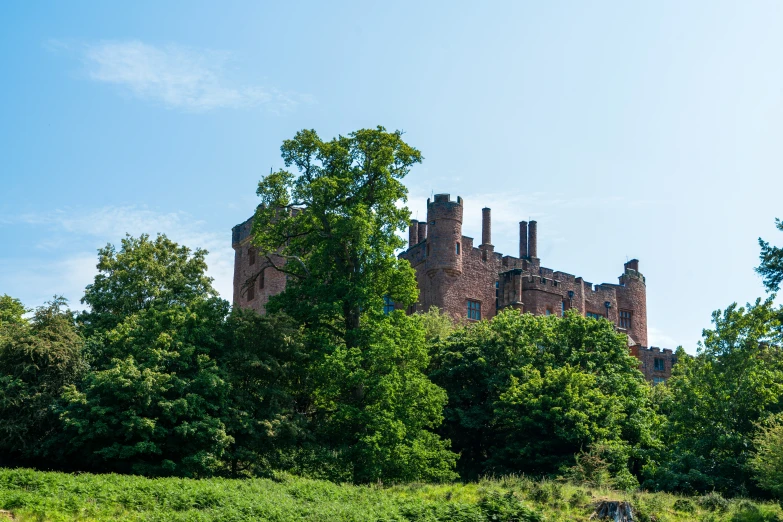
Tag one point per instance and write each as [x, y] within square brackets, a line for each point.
[713, 502]
[684, 505]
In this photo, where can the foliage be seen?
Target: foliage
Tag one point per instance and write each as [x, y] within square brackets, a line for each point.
[527, 393]
[332, 228]
[437, 324]
[380, 408]
[717, 398]
[36, 360]
[143, 273]
[767, 461]
[11, 311]
[771, 267]
[153, 401]
[263, 360]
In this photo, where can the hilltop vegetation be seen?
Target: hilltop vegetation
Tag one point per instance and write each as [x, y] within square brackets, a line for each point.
[160, 377]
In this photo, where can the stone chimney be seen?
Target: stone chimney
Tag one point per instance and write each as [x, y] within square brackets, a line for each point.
[486, 226]
[413, 233]
[522, 239]
[422, 231]
[532, 242]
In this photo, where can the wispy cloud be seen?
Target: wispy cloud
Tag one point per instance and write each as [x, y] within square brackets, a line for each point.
[176, 76]
[72, 236]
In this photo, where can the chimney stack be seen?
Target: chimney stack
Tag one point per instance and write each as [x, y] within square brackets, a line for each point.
[633, 264]
[413, 233]
[522, 239]
[486, 226]
[422, 231]
[532, 242]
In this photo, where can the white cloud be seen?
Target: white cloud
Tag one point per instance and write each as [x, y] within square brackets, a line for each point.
[178, 77]
[75, 234]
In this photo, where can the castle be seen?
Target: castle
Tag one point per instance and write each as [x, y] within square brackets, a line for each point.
[473, 283]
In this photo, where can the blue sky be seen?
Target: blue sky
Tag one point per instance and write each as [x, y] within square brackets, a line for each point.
[651, 131]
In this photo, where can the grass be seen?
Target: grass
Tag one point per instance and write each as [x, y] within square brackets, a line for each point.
[43, 496]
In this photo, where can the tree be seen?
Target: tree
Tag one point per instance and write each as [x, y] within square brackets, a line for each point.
[153, 401]
[771, 267]
[36, 360]
[767, 461]
[11, 311]
[718, 397]
[527, 393]
[144, 273]
[264, 361]
[333, 229]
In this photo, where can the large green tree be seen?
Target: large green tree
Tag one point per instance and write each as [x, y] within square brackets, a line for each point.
[152, 402]
[37, 358]
[333, 227]
[717, 399]
[527, 393]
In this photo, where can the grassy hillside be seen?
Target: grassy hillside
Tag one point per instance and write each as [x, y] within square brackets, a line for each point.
[33, 495]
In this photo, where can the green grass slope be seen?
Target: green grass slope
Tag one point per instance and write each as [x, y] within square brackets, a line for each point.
[33, 495]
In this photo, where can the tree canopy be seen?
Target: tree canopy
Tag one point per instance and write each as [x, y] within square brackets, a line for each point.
[771, 267]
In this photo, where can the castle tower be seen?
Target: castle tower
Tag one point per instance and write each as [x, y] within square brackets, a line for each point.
[632, 298]
[444, 235]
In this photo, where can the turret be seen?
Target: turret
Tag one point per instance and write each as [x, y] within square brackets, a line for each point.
[632, 302]
[444, 234]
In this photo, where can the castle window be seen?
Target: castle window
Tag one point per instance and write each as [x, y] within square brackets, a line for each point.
[562, 308]
[659, 365]
[548, 311]
[497, 295]
[457, 247]
[251, 254]
[388, 305]
[593, 315]
[261, 280]
[658, 380]
[251, 292]
[625, 319]
[474, 310]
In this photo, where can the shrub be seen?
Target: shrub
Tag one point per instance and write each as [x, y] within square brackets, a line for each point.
[684, 505]
[713, 501]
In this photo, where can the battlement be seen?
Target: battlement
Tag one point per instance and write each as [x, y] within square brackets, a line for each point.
[656, 350]
[241, 232]
[444, 198]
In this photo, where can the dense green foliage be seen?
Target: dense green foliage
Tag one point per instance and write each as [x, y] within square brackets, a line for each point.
[37, 359]
[332, 228]
[32, 495]
[767, 462]
[160, 377]
[771, 267]
[717, 399]
[528, 393]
